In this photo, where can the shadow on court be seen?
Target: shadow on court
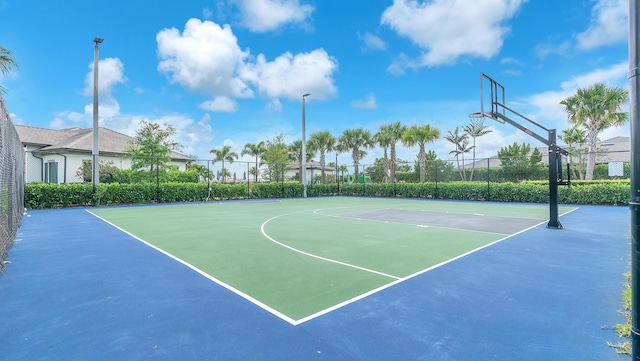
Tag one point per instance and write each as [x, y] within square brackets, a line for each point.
[79, 289]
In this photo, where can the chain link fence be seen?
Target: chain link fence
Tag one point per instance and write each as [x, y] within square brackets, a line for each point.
[11, 183]
[609, 165]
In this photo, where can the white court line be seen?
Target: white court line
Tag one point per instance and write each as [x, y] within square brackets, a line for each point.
[316, 256]
[206, 275]
[330, 309]
[391, 284]
[403, 223]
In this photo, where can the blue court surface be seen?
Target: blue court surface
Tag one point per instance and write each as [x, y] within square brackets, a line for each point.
[81, 289]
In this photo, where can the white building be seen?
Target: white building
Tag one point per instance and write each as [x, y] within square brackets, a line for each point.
[54, 156]
[314, 170]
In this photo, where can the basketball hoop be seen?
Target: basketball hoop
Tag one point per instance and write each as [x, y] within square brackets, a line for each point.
[477, 118]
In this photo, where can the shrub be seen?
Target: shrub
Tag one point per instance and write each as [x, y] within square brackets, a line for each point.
[42, 195]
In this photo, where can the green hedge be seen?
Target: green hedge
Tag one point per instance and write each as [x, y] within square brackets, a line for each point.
[41, 195]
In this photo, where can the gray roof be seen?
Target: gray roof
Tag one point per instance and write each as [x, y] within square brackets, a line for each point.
[80, 140]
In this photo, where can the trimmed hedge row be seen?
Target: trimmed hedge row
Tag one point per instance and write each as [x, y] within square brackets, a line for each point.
[42, 195]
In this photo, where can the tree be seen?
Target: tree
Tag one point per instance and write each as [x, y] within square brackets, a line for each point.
[343, 168]
[420, 135]
[516, 162]
[223, 154]
[396, 131]
[435, 168]
[322, 142]
[475, 130]
[295, 155]
[152, 146]
[353, 140]
[107, 171]
[276, 156]
[384, 138]
[376, 171]
[7, 63]
[575, 137]
[461, 143]
[203, 172]
[254, 150]
[596, 108]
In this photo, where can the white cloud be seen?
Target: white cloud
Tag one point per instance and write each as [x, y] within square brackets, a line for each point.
[542, 50]
[545, 107]
[368, 103]
[207, 13]
[110, 73]
[372, 42]
[220, 104]
[274, 106]
[509, 61]
[290, 76]
[447, 30]
[608, 24]
[267, 15]
[204, 58]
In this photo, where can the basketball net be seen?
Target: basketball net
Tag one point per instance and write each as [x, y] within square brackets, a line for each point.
[477, 119]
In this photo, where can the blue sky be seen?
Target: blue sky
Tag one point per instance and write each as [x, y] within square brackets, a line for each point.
[233, 72]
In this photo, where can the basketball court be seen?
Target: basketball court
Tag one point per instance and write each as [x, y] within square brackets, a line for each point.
[334, 278]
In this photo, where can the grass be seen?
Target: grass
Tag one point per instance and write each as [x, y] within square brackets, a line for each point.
[624, 329]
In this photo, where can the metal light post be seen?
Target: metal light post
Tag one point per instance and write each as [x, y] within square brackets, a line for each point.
[634, 203]
[95, 174]
[303, 168]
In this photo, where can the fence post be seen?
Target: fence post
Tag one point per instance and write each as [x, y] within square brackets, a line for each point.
[393, 179]
[488, 180]
[436, 168]
[157, 182]
[248, 181]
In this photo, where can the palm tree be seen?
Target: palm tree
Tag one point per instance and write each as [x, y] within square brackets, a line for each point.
[224, 154]
[322, 142]
[575, 136]
[7, 63]
[295, 155]
[254, 150]
[461, 143]
[384, 138]
[420, 135]
[596, 108]
[475, 130]
[343, 168]
[396, 131]
[353, 140]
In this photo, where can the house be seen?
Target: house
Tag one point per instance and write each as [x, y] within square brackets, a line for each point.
[54, 156]
[612, 150]
[314, 169]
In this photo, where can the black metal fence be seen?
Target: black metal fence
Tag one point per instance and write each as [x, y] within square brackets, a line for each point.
[11, 183]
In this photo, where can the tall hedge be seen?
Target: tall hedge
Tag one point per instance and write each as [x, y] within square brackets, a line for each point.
[41, 195]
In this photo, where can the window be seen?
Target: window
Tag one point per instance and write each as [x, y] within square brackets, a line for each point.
[51, 172]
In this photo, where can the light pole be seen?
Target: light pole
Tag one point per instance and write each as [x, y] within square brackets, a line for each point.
[95, 174]
[303, 168]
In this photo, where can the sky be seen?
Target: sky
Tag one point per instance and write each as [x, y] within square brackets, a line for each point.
[233, 72]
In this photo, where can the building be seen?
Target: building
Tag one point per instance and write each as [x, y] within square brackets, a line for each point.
[54, 156]
[314, 170]
[612, 150]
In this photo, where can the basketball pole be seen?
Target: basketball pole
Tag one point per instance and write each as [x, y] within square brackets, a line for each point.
[634, 203]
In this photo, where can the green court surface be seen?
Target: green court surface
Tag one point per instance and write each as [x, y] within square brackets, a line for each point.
[304, 257]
